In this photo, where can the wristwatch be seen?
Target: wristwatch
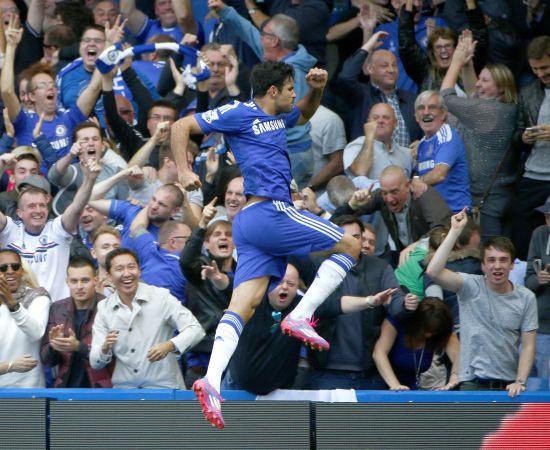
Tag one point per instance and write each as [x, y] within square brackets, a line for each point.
[252, 11]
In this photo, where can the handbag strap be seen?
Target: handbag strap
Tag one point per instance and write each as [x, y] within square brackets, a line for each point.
[494, 177]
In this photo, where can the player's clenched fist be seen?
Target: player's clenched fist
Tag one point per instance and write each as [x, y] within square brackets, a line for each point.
[189, 180]
[317, 78]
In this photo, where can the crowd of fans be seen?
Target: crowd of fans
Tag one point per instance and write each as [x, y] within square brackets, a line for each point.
[431, 147]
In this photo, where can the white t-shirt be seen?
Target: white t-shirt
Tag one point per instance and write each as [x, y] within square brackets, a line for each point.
[47, 253]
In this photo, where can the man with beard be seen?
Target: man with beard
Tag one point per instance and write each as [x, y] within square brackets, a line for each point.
[441, 153]
[23, 319]
[136, 325]
[495, 315]
[69, 334]
[57, 126]
[210, 278]
[165, 203]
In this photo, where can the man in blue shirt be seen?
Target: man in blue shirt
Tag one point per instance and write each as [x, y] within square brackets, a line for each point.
[165, 203]
[173, 19]
[269, 228]
[57, 124]
[441, 154]
[160, 263]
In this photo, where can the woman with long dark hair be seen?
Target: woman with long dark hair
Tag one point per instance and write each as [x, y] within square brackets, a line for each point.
[405, 350]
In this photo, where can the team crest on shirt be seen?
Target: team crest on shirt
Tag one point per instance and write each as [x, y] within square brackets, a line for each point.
[210, 116]
[60, 130]
[430, 150]
[43, 239]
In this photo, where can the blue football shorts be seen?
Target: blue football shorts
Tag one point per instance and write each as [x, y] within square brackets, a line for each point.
[266, 233]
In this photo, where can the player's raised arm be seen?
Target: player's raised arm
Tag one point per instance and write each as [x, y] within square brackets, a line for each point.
[181, 130]
[316, 80]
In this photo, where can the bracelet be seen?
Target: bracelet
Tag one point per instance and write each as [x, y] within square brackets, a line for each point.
[321, 212]
[9, 366]
[520, 381]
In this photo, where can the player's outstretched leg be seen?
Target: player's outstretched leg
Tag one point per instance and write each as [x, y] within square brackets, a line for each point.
[329, 276]
[246, 297]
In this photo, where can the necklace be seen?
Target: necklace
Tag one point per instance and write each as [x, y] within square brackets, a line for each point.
[417, 368]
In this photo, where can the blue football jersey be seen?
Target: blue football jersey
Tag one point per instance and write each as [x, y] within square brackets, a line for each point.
[259, 143]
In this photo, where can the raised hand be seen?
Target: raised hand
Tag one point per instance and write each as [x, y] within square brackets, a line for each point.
[211, 272]
[212, 164]
[459, 220]
[14, 32]
[90, 169]
[189, 180]
[208, 213]
[177, 76]
[190, 39]
[375, 41]
[370, 129]
[310, 200]
[382, 298]
[162, 131]
[361, 197]
[216, 5]
[116, 33]
[37, 130]
[317, 78]
[10, 130]
[411, 302]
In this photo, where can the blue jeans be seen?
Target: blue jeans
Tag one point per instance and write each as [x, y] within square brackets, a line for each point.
[542, 356]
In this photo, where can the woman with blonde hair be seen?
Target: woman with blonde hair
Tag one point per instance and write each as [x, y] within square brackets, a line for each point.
[487, 123]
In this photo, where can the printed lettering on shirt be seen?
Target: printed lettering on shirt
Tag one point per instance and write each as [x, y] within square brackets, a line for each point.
[223, 109]
[426, 165]
[269, 125]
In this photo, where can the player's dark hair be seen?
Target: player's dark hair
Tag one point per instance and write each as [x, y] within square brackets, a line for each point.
[226, 175]
[348, 219]
[270, 73]
[78, 262]
[28, 157]
[118, 252]
[75, 15]
[539, 47]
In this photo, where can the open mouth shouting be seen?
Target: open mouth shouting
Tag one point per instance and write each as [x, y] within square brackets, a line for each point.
[428, 118]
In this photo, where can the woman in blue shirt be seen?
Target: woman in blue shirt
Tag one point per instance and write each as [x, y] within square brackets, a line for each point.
[405, 350]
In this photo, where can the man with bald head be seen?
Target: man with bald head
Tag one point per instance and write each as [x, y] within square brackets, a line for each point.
[407, 218]
[370, 154]
[380, 66]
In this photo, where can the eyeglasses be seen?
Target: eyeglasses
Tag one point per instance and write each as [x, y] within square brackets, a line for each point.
[44, 85]
[87, 40]
[15, 267]
[265, 33]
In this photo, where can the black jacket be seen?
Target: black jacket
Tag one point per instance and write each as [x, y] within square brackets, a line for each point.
[204, 300]
[360, 96]
[530, 99]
